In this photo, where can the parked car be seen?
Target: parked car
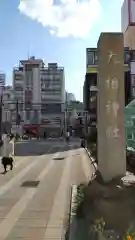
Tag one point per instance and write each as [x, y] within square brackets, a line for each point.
[130, 156]
[25, 137]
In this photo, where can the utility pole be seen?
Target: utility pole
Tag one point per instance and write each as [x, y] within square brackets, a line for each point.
[17, 115]
[1, 104]
[65, 116]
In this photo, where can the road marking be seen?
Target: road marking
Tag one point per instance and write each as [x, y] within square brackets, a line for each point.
[18, 163]
[55, 224]
[13, 216]
[20, 175]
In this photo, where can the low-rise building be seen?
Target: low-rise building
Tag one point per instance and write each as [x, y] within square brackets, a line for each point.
[89, 89]
[8, 108]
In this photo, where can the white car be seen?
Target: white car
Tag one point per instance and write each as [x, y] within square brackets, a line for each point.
[25, 137]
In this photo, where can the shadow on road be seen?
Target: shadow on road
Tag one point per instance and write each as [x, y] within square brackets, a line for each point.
[59, 159]
[37, 149]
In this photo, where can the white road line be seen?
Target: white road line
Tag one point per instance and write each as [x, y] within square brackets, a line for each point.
[20, 175]
[55, 225]
[13, 216]
[17, 163]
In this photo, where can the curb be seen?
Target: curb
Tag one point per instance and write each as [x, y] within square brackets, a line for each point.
[72, 222]
[92, 159]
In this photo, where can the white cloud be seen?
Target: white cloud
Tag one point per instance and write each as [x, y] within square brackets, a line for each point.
[69, 18]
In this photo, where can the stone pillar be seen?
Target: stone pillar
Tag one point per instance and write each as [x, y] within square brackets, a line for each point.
[111, 103]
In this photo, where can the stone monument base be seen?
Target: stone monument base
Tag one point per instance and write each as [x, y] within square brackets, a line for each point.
[113, 202]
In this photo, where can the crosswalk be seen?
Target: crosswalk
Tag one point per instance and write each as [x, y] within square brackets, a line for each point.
[39, 212]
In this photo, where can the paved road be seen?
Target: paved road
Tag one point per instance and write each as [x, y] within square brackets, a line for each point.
[40, 212]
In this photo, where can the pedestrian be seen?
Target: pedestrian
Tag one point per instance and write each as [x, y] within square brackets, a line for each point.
[67, 136]
[7, 152]
[44, 135]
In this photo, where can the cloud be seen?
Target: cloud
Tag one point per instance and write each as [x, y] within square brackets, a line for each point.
[68, 18]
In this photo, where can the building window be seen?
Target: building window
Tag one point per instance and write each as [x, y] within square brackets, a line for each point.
[127, 57]
[51, 92]
[28, 106]
[133, 80]
[133, 92]
[27, 115]
[130, 136]
[28, 78]
[132, 55]
[18, 88]
[95, 58]
[45, 85]
[51, 108]
[90, 58]
[20, 106]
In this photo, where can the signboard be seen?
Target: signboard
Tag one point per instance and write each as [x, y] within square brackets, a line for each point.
[92, 70]
[95, 70]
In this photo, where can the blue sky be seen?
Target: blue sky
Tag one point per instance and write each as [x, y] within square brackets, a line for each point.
[56, 31]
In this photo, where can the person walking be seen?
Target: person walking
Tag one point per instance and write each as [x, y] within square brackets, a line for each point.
[67, 136]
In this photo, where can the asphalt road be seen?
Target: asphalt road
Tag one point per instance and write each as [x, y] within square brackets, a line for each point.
[35, 196]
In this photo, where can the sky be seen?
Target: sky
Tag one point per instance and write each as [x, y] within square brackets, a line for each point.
[56, 31]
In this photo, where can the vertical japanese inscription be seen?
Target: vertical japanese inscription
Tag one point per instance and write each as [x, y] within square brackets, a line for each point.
[112, 107]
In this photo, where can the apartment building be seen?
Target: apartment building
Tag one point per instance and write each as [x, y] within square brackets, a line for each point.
[2, 81]
[52, 96]
[70, 97]
[40, 91]
[8, 108]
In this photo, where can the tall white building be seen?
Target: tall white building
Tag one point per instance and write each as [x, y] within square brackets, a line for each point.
[8, 103]
[2, 82]
[70, 97]
[39, 89]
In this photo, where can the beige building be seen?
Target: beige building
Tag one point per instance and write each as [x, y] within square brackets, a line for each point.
[128, 23]
[129, 37]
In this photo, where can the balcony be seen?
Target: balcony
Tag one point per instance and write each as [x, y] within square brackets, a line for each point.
[52, 69]
[93, 88]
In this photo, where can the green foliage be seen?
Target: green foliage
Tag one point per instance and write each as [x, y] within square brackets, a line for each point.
[98, 225]
[131, 232]
[79, 199]
[92, 137]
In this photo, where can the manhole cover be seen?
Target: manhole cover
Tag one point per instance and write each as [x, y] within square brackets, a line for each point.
[62, 158]
[30, 184]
